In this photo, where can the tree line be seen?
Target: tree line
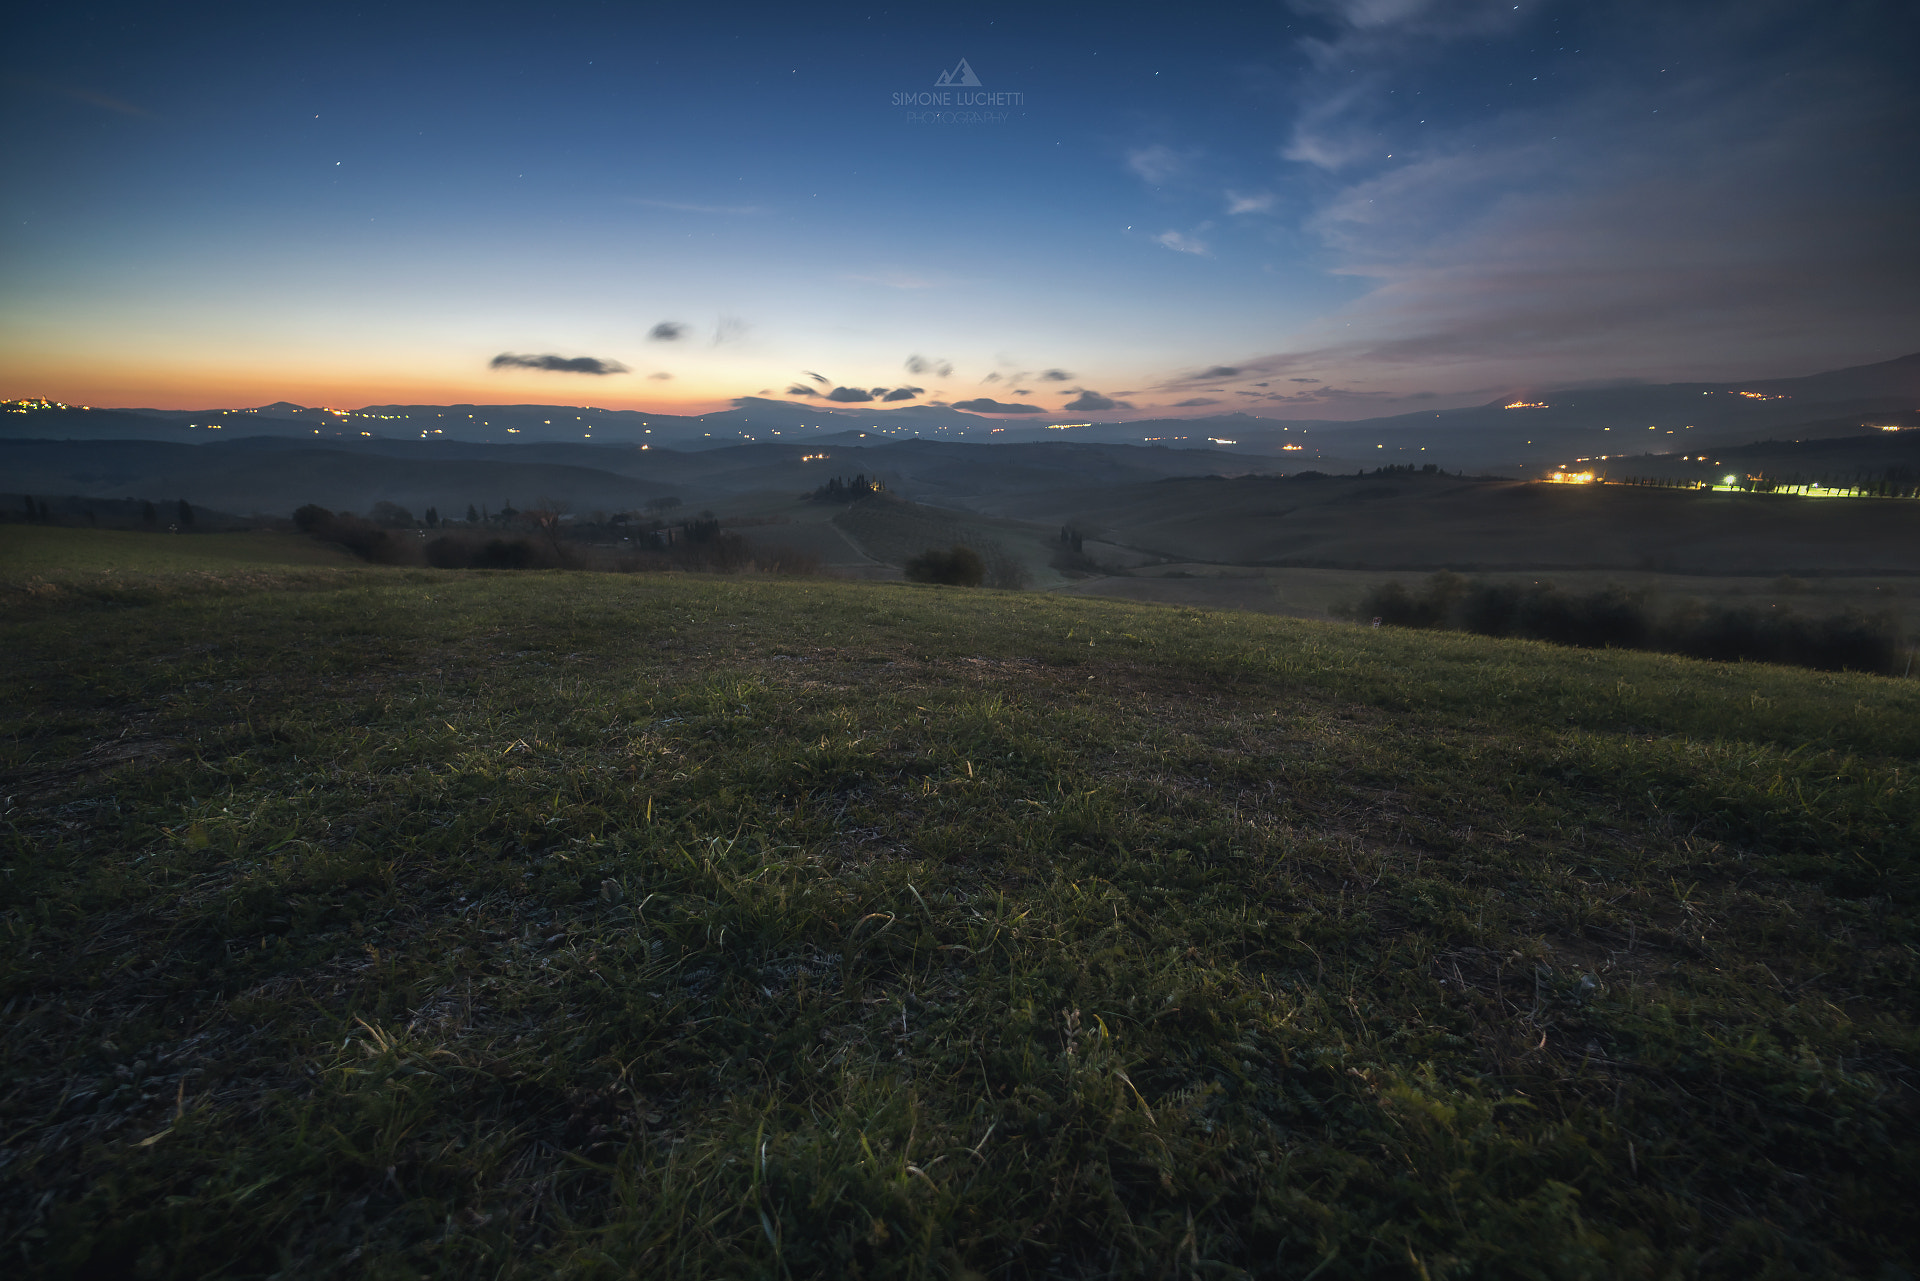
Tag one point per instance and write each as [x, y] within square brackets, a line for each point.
[1618, 617]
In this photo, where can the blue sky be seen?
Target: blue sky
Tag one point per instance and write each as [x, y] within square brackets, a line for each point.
[1355, 206]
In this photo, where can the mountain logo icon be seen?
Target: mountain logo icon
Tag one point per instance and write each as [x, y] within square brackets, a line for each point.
[960, 77]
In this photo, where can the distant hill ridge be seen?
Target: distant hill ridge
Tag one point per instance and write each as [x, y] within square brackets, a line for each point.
[1529, 431]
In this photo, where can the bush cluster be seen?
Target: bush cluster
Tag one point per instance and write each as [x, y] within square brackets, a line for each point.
[958, 566]
[453, 551]
[1617, 617]
[374, 545]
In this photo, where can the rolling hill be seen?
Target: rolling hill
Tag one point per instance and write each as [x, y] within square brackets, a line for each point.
[1416, 522]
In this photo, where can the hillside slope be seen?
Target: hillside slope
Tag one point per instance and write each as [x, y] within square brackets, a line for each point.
[358, 920]
[1432, 522]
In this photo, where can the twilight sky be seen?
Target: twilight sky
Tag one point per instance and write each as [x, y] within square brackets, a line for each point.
[1318, 208]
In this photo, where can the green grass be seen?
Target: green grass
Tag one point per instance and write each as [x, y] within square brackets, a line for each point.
[400, 923]
[39, 549]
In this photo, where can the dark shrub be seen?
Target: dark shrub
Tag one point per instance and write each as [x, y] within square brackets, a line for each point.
[310, 519]
[502, 553]
[375, 546]
[456, 551]
[1491, 609]
[344, 529]
[1395, 606]
[1846, 642]
[958, 566]
[1615, 617]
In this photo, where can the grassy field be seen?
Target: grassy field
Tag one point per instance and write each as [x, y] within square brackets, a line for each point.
[30, 550]
[399, 923]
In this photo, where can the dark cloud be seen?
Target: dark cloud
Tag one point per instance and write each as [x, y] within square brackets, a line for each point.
[1218, 371]
[558, 364]
[1021, 391]
[1056, 376]
[667, 331]
[991, 378]
[822, 379]
[985, 406]
[1298, 380]
[929, 365]
[903, 393]
[851, 395]
[801, 389]
[1196, 402]
[1088, 400]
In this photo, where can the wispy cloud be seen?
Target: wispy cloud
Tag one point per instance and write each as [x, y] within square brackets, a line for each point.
[1674, 204]
[1156, 165]
[1182, 243]
[985, 405]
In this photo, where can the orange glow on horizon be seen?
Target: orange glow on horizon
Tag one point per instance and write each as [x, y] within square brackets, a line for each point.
[176, 389]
